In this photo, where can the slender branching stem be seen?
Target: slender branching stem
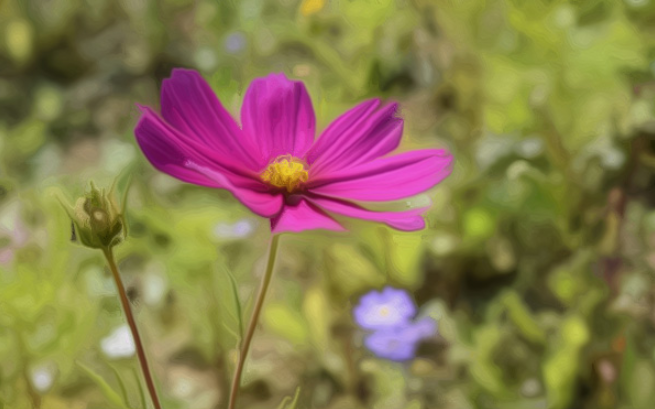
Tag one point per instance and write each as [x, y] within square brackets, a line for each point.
[143, 360]
[250, 331]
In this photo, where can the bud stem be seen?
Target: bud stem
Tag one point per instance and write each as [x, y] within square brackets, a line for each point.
[143, 361]
[245, 346]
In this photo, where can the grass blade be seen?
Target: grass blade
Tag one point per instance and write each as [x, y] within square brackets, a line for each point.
[294, 403]
[121, 384]
[142, 395]
[235, 295]
[107, 390]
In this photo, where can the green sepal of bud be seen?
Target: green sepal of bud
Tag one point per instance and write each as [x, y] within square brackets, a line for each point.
[98, 222]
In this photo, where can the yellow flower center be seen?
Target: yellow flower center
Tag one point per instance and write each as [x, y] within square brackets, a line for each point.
[286, 172]
[384, 311]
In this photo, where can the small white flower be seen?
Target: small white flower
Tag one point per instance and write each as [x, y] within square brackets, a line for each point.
[43, 377]
[155, 286]
[118, 344]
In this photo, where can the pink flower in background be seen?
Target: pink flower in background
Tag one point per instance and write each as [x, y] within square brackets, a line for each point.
[274, 165]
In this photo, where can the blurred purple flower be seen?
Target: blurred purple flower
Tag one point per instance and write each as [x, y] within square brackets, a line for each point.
[235, 43]
[237, 230]
[389, 315]
[399, 343]
[389, 308]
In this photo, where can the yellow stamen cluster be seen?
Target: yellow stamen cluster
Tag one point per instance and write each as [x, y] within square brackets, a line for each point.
[286, 172]
[385, 311]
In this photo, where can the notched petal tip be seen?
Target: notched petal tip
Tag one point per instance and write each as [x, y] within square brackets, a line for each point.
[364, 133]
[179, 76]
[277, 116]
[393, 108]
[182, 74]
[279, 77]
[142, 108]
[447, 160]
[390, 178]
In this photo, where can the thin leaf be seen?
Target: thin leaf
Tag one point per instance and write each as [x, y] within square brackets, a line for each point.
[235, 294]
[232, 332]
[63, 201]
[122, 183]
[284, 402]
[126, 181]
[294, 402]
[121, 384]
[107, 390]
[232, 313]
[142, 394]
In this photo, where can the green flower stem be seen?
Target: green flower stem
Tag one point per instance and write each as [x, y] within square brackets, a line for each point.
[245, 346]
[145, 369]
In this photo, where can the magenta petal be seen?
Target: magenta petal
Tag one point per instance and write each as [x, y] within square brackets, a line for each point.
[303, 216]
[264, 204]
[278, 117]
[391, 178]
[408, 220]
[189, 105]
[174, 154]
[363, 133]
[335, 137]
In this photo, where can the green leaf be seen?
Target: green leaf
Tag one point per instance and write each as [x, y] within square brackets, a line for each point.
[237, 304]
[121, 384]
[232, 332]
[106, 389]
[291, 405]
[562, 364]
[483, 368]
[523, 318]
[142, 394]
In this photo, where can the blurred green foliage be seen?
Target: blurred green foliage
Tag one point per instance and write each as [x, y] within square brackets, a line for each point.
[538, 261]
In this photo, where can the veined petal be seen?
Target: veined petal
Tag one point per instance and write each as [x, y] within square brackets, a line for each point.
[364, 133]
[153, 130]
[303, 216]
[172, 153]
[390, 178]
[265, 204]
[189, 105]
[408, 220]
[336, 135]
[278, 117]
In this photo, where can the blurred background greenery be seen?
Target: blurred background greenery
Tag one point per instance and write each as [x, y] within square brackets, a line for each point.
[538, 261]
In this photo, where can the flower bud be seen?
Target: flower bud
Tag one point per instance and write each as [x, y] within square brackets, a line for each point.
[97, 220]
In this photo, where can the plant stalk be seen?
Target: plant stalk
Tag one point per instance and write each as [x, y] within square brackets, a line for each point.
[245, 345]
[143, 360]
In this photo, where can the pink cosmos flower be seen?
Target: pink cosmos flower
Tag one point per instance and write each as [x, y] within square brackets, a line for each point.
[273, 164]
